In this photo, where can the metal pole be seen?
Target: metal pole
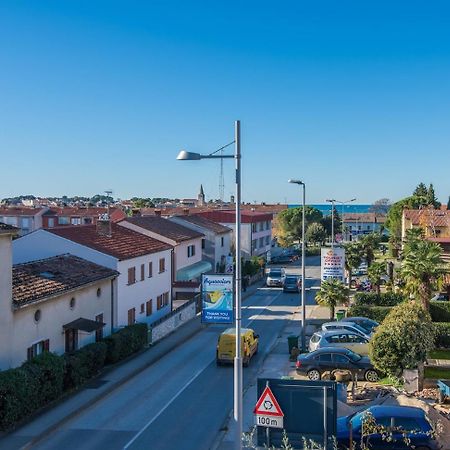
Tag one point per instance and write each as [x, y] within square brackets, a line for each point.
[325, 419]
[238, 358]
[303, 273]
[332, 223]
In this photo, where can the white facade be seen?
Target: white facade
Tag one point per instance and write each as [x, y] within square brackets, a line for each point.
[26, 221]
[43, 244]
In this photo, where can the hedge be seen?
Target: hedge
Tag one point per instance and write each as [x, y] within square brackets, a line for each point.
[440, 311]
[374, 299]
[442, 334]
[125, 342]
[377, 313]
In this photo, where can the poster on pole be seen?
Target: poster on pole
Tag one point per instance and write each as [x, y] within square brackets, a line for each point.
[332, 263]
[217, 298]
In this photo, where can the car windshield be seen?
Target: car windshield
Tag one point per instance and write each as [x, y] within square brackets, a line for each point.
[359, 328]
[353, 356]
[291, 279]
[275, 273]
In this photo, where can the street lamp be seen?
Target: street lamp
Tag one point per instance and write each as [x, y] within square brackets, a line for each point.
[344, 203]
[301, 183]
[333, 201]
[238, 372]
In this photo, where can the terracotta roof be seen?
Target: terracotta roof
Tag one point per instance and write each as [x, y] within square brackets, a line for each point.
[435, 217]
[364, 217]
[122, 244]
[79, 212]
[165, 227]
[203, 222]
[229, 216]
[8, 229]
[17, 211]
[38, 280]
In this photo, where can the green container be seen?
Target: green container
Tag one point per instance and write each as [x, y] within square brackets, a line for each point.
[340, 314]
[292, 342]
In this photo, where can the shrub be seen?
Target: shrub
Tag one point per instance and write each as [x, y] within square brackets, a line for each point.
[48, 370]
[440, 311]
[374, 299]
[403, 340]
[83, 364]
[442, 334]
[377, 313]
[125, 342]
[312, 251]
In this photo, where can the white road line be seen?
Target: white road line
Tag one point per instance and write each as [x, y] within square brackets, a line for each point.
[165, 407]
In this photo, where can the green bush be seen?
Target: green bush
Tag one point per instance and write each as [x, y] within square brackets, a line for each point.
[18, 396]
[312, 251]
[83, 364]
[403, 340]
[374, 299]
[440, 311]
[442, 334]
[377, 313]
[48, 370]
[125, 342]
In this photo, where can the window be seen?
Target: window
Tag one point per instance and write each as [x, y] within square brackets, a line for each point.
[162, 300]
[254, 227]
[142, 308]
[25, 222]
[142, 272]
[132, 275]
[71, 340]
[75, 220]
[131, 316]
[166, 298]
[162, 265]
[267, 240]
[150, 269]
[261, 226]
[191, 250]
[222, 241]
[99, 292]
[72, 303]
[406, 424]
[333, 339]
[340, 359]
[203, 244]
[159, 302]
[261, 242]
[368, 227]
[37, 348]
[267, 224]
[254, 244]
[148, 308]
[37, 315]
[63, 220]
[87, 220]
[99, 332]
[325, 357]
[51, 222]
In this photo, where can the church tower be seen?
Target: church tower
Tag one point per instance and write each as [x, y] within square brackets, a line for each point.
[201, 197]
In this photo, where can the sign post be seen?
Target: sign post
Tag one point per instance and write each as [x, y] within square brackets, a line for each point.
[217, 298]
[268, 412]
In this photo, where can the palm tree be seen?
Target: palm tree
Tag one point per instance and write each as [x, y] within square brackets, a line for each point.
[353, 258]
[422, 269]
[331, 294]
[375, 272]
[370, 243]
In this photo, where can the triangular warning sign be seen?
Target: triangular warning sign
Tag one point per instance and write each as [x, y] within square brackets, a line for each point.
[267, 404]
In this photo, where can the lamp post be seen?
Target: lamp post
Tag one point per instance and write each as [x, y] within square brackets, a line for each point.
[344, 203]
[332, 201]
[238, 372]
[301, 183]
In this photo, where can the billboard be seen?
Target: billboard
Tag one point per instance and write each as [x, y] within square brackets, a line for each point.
[332, 263]
[217, 298]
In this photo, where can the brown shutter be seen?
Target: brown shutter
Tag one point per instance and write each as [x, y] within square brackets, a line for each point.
[47, 345]
[29, 353]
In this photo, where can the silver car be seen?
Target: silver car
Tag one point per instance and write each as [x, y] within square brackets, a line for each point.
[349, 326]
[275, 277]
[339, 339]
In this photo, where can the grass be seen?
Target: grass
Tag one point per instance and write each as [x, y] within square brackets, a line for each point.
[439, 354]
[390, 381]
[437, 373]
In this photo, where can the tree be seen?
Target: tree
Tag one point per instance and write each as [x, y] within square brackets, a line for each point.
[403, 339]
[431, 197]
[331, 294]
[380, 206]
[376, 272]
[315, 233]
[422, 268]
[326, 223]
[353, 258]
[290, 221]
[369, 244]
[421, 190]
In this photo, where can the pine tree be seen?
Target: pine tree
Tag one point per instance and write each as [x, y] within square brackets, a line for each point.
[431, 197]
[421, 190]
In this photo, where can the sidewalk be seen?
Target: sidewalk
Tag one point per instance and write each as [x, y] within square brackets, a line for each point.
[52, 418]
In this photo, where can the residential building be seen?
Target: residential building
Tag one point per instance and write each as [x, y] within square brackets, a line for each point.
[187, 263]
[357, 225]
[216, 245]
[66, 216]
[23, 218]
[144, 283]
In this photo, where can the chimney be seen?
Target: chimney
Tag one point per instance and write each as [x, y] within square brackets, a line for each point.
[104, 225]
[186, 211]
[158, 212]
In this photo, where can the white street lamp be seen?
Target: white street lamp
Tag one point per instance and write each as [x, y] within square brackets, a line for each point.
[238, 372]
[301, 183]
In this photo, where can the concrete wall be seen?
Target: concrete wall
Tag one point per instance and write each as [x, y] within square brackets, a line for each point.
[181, 253]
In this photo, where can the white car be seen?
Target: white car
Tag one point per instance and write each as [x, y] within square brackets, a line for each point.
[341, 339]
[349, 326]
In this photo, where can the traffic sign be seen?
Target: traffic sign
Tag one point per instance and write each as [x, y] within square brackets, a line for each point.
[267, 410]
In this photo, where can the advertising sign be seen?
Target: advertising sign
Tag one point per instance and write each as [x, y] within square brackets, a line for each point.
[229, 264]
[217, 298]
[332, 263]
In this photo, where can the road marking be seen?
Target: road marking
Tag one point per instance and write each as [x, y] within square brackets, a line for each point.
[163, 409]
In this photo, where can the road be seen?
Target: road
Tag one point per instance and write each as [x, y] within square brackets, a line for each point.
[183, 400]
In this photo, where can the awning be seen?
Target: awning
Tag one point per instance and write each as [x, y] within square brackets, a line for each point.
[84, 325]
[193, 271]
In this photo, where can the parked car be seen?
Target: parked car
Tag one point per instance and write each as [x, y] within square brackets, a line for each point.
[327, 359]
[226, 346]
[291, 283]
[281, 259]
[339, 339]
[368, 324]
[275, 277]
[349, 326]
[441, 297]
[404, 427]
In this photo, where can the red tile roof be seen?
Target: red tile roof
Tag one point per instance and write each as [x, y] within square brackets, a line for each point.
[228, 216]
[80, 212]
[364, 217]
[122, 244]
[203, 222]
[437, 218]
[165, 227]
[8, 229]
[38, 280]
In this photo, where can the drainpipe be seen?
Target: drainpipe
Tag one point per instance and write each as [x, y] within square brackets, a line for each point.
[112, 305]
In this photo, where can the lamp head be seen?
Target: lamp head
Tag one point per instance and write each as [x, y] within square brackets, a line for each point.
[295, 181]
[188, 156]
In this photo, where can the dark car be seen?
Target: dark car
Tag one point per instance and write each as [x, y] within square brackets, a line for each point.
[281, 259]
[326, 359]
[291, 283]
[398, 428]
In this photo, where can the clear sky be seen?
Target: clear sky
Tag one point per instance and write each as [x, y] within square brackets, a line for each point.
[351, 96]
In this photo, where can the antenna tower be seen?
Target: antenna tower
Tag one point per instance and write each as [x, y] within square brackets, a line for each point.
[221, 179]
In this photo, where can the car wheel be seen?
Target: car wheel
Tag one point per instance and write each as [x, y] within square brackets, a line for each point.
[371, 376]
[313, 375]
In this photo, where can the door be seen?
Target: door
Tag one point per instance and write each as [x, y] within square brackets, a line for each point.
[71, 340]
[358, 344]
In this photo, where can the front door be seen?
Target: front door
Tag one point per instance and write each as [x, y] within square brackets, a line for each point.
[71, 337]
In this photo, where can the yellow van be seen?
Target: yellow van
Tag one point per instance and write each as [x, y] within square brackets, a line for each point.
[226, 346]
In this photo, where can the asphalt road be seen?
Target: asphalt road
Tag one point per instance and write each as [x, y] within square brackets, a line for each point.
[183, 400]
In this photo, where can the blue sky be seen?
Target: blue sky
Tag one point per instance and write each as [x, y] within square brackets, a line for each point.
[351, 96]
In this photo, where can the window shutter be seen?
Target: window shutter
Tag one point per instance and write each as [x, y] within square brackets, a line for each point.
[47, 345]
[29, 353]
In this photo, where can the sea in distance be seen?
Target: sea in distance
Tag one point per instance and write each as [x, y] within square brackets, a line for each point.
[325, 209]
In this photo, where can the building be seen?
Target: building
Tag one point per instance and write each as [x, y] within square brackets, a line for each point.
[144, 264]
[187, 263]
[23, 218]
[256, 229]
[57, 217]
[201, 201]
[356, 225]
[216, 244]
